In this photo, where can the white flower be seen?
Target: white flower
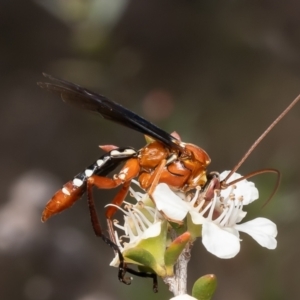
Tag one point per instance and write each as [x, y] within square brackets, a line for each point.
[141, 222]
[173, 206]
[219, 216]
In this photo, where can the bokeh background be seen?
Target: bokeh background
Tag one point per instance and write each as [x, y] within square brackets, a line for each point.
[217, 72]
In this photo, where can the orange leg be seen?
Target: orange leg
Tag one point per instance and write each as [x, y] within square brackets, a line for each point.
[130, 170]
[123, 267]
[111, 210]
[150, 181]
[98, 231]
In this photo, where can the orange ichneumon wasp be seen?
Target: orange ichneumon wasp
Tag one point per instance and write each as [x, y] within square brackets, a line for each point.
[165, 159]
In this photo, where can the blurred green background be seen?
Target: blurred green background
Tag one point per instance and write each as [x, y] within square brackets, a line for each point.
[217, 72]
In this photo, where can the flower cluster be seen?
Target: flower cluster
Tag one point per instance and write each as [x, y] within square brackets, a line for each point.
[146, 240]
[220, 216]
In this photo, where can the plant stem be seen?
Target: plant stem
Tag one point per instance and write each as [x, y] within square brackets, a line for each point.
[178, 282]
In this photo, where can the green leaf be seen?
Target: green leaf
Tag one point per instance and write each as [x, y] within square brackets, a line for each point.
[175, 249]
[143, 258]
[205, 287]
[139, 256]
[156, 245]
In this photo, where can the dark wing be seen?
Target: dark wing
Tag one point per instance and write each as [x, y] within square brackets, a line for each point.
[83, 98]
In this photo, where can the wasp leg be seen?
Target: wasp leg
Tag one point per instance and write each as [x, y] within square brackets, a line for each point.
[123, 269]
[156, 176]
[98, 232]
[145, 275]
[130, 170]
[111, 210]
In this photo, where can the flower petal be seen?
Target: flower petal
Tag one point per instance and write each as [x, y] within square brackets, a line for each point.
[220, 242]
[152, 231]
[241, 215]
[262, 230]
[169, 203]
[197, 218]
[249, 192]
[244, 188]
[115, 262]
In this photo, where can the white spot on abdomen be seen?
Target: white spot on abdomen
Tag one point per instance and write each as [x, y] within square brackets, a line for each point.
[126, 151]
[115, 153]
[129, 151]
[88, 172]
[100, 162]
[66, 191]
[77, 182]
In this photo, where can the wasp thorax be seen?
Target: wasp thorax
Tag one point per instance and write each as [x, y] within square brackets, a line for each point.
[151, 155]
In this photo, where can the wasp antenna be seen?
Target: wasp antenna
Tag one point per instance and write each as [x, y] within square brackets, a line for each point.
[274, 190]
[225, 185]
[255, 144]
